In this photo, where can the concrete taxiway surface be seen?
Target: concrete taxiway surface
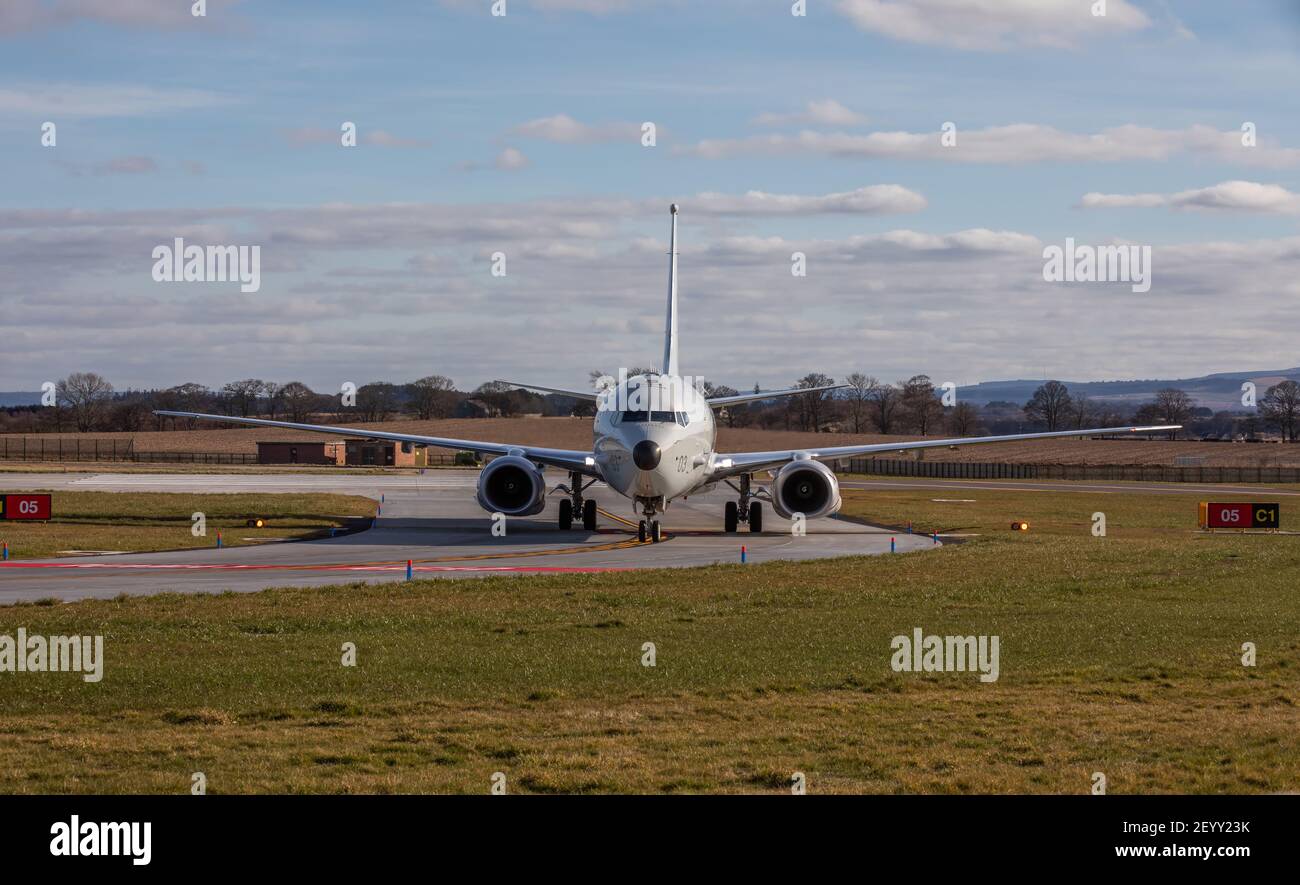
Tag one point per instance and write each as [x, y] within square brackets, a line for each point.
[431, 519]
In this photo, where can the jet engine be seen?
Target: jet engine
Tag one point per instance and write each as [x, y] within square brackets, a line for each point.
[513, 486]
[807, 487]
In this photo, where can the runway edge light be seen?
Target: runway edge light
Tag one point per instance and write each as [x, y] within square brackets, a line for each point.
[1019, 526]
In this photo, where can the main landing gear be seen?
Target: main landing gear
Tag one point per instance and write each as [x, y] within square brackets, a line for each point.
[746, 510]
[649, 527]
[577, 504]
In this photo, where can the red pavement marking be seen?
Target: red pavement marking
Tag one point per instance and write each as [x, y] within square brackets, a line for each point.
[314, 568]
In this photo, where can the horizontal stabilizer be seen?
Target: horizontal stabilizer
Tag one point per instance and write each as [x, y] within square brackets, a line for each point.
[716, 401]
[587, 395]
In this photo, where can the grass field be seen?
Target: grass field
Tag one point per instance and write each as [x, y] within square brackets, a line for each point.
[134, 522]
[1118, 654]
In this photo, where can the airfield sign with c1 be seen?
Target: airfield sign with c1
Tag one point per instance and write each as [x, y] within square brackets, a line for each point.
[1240, 516]
[35, 507]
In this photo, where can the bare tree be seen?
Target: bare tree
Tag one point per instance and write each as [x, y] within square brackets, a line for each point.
[376, 400]
[1050, 404]
[731, 412]
[86, 395]
[1085, 413]
[921, 408]
[963, 420]
[432, 396]
[190, 397]
[498, 395]
[884, 402]
[859, 398]
[298, 400]
[241, 396]
[130, 414]
[811, 405]
[1173, 406]
[1281, 406]
[273, 396]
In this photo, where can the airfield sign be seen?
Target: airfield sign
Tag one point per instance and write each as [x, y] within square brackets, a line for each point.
[1240, 516]
[35, 507]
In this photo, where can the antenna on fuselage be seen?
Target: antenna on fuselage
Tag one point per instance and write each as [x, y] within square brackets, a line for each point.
[669, 366]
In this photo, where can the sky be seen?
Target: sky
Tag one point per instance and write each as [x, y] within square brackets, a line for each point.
[1161, 124]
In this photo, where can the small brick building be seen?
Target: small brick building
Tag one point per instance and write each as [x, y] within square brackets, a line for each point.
[314, 451]
[377, 453]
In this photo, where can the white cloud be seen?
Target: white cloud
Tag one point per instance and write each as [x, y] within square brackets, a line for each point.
[373, 288]
[591, 7]
[133, 165]
[879, 199]
[994, 24]
[309, 135]
[18, 16]
[383, 138]
[511, 158]
[127, 166]
[1233, 196]
[563, 129]
[826, 112]
[1015, 143]
[56, 101]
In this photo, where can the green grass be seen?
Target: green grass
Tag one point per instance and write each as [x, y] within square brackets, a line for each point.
[143, 521]
[1129, 514]
[1118, 654]
[169, 467]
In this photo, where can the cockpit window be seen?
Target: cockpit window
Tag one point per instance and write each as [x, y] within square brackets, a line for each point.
[656, 417]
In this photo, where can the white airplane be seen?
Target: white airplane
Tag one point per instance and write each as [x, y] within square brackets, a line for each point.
[655, 442]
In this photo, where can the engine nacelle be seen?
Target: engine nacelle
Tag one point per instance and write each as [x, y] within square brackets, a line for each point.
[513, 486]
[807, 487]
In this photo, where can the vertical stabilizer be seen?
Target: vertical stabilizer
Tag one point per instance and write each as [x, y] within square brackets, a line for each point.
[669, 366]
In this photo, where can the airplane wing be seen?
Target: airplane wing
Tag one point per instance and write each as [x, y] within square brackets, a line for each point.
[716, 401]
[749, 462]
[583, 462]
[588, 395]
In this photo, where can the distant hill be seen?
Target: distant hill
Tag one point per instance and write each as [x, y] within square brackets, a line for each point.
[1219, 391]
[19, 398]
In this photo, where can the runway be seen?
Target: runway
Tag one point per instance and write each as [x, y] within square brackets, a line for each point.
[431, 519]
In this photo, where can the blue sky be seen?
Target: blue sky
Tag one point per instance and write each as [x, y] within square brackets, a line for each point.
[520, 134]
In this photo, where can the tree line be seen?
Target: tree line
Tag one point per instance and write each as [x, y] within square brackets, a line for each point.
[88, 402]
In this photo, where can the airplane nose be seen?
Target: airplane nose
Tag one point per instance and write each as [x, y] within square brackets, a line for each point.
[646, 454]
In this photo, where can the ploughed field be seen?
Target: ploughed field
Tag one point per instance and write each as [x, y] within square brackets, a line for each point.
[575, 433]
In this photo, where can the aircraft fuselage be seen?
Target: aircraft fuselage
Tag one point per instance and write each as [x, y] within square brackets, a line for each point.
[654, 437]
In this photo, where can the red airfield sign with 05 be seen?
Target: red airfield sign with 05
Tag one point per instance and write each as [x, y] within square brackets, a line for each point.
[25, 507]
[1240, 516]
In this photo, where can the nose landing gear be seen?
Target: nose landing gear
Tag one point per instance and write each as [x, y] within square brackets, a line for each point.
[649, 527]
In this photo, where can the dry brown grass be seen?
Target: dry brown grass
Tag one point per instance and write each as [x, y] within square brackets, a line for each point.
[575, 433]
